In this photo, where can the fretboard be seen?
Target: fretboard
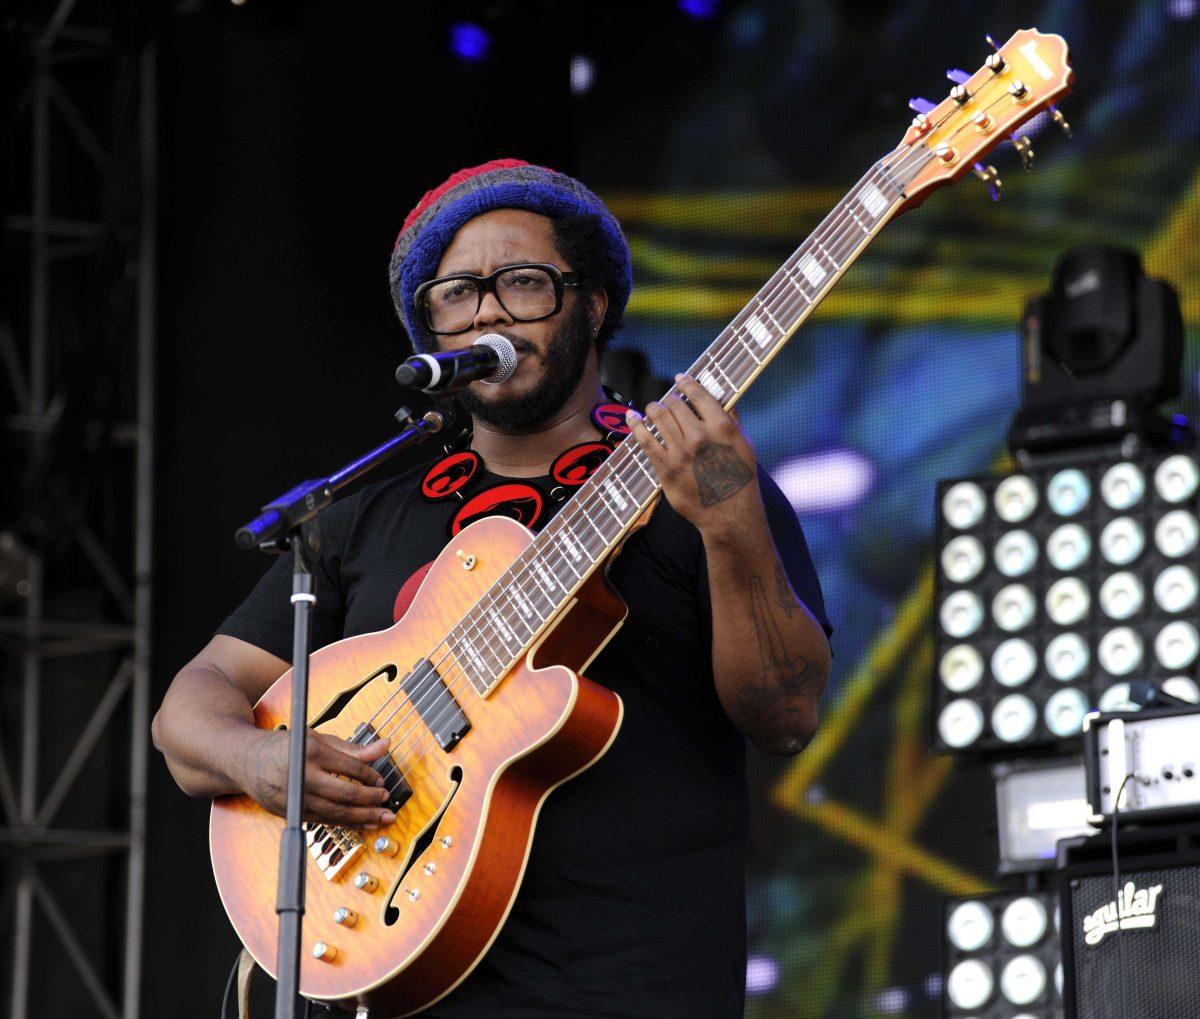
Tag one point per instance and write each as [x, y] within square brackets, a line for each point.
[502, 625]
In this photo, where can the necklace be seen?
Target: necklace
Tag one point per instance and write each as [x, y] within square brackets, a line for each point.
[455, 478]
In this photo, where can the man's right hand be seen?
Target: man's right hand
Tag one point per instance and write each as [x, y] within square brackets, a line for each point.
[340, 786]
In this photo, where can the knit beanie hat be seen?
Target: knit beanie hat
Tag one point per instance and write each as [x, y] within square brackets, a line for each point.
[500, 184]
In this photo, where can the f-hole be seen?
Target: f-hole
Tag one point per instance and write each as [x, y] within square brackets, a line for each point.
[422, 842]
[336, 706]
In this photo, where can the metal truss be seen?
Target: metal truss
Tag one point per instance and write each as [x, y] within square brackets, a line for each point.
[105, 652]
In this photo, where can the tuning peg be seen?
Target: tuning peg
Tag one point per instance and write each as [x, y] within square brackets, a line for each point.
[959, 77]
[920, 106]
[1060, 120]
[995, 61]
[990, 178]
[1024, 149]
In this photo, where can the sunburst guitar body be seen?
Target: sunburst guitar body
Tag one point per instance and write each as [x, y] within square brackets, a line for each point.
[404, 913]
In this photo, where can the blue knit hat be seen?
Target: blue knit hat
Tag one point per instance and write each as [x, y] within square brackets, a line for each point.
[500, 184]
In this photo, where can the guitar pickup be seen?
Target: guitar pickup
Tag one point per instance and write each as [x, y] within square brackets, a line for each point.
[428, 693]
[398, 789]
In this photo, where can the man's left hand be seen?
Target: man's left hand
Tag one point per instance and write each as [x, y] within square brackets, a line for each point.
[704, 461]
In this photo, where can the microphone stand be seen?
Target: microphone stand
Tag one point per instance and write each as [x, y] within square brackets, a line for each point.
[289, 522]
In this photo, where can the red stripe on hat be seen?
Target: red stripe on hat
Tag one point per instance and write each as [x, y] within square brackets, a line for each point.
[454, 180]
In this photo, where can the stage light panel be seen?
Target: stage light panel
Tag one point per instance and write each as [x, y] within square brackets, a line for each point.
[1068, 547]
[1175, 589]
[1176, 477]
[1122, 486]
[1122, 541]
[1068, 601]
[1116, 698]
[1014, 717]
[1121, 651]
[970, 925]
[1013, 607]
[1121, 595]
[964, 504]
[963, 559]
[1067, 656]
[1015, 554]
[1024, 921]
[962, 613]
[969, 984]
[1063, 582]
[961, 668]
[1023, 979]
[1183, 687]
[1016, 498]
[960, 723]
[1176, 534]
[1001, 958]
[1014, 662]
[1064, 712]
[1068, 492]
[1176, 645]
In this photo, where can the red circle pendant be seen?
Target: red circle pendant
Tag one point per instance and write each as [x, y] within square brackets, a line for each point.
[575, 465]
[516, 500]
[449, 475]
[610, 417]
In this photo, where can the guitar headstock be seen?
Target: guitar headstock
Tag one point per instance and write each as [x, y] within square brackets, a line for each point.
[1016, 82]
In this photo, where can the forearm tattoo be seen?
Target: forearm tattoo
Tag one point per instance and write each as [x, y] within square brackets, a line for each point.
[781, 674]
[720, 473]
[256, 763]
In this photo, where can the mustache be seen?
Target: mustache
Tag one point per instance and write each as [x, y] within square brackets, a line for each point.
[520, 344]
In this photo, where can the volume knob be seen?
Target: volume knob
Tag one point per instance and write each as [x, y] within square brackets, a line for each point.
[324, 952]
[386, 847]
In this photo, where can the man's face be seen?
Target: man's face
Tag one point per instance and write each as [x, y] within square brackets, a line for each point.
[553, 354]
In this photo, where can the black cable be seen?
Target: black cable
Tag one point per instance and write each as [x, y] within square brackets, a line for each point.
[1117, 890]
[229, 985]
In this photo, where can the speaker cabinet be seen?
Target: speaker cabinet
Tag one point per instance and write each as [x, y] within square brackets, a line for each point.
[1131, 952]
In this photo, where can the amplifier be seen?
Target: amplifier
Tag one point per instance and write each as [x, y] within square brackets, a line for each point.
[1131, 952]
[1159, 746]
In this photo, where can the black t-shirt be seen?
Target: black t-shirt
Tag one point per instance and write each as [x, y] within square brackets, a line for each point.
[632, 903]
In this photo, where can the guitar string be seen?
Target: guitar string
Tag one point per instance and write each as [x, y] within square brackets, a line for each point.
[730, 341]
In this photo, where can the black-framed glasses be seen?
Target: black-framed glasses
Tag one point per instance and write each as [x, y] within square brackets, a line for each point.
[528, 291]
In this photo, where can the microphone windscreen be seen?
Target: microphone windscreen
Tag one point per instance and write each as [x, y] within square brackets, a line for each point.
[507, 354]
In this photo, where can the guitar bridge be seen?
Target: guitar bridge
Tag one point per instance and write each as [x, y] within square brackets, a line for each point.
[331, 847]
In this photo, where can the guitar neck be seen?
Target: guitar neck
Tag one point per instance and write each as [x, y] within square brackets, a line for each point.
[541, 582]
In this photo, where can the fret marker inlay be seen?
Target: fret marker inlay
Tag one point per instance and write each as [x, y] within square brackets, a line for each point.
[812, 270]
[872, 199]
[761, 334]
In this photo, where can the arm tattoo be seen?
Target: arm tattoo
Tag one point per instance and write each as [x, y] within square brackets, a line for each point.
[782, 674]
[719, 472]
[256, 763]
[783, 590]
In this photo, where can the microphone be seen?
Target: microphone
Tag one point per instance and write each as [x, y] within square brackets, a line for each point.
[491, 358]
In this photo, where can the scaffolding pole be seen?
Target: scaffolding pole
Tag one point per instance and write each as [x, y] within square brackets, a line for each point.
[32, 837]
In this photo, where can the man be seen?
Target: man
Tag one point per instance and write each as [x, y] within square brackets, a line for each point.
[632, 903]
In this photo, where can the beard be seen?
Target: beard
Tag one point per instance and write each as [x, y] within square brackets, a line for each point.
[562, 368]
